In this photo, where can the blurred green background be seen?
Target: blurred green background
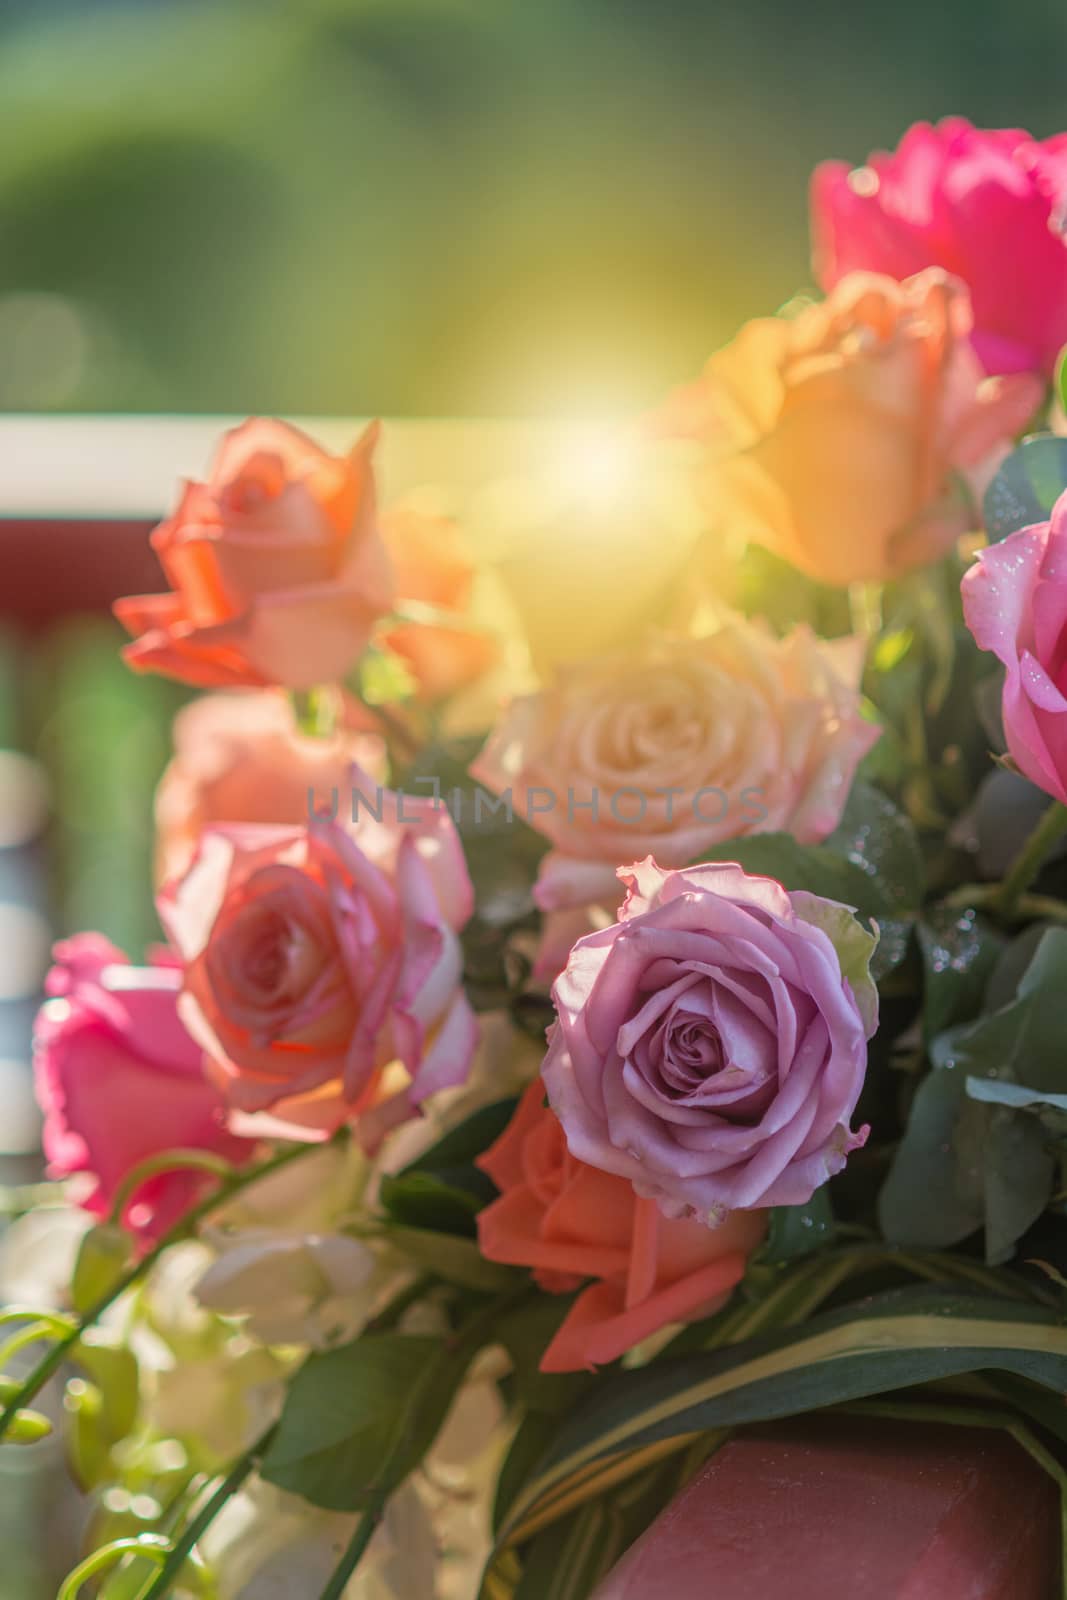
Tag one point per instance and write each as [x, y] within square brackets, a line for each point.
[442, 206]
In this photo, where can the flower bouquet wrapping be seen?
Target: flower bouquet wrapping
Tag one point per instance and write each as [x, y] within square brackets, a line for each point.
[612, 970]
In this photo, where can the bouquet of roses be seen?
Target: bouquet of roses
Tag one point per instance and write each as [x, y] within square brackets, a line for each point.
[583, 1034]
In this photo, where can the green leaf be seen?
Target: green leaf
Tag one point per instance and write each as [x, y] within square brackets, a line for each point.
[931, 1198]
[358, 1419]
[855, 948]
[962, 1163]
[1026, 487]
[880, 839]
[463, 1143]
[886, 1342]
[810, 867]
[1016, 1095]
[423, 1200]
[960, 951]
[454, 1259]
[526, 1335]
[798, 1230]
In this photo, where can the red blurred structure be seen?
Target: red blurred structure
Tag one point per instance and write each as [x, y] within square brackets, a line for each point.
[830, 1507]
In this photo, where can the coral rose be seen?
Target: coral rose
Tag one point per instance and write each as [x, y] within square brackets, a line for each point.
[241, 758]
[120, 1080]
[433, 567]
[570, 1222]
[837, 435]
[318, 956]
[711, 1045]
[674, 748]
[986, 206]
[1015, 604]
[277, 565]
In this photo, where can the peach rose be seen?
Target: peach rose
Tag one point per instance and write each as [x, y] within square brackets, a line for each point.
[278, 569]
[434, 568]
[571, 1222]
[671, 749]
[836, 433]
[241, 758]
[318, 956]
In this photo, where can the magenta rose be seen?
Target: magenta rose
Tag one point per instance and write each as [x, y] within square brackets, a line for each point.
[120, 1080]
[323, 973]
[711, 1045]
[1015, 604]
[985, 205]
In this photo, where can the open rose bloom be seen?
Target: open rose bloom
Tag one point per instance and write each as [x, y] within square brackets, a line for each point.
[837, 436]
[1015, 604]
[120, 1081]
[277, 567]
[316, 957]
[672, 748]
[986, 205]
[712, 1044]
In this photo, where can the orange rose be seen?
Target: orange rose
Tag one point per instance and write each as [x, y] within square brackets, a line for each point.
[836, 432]
[569, 1222]
[433, 567]
[278, 570]
[241, 758]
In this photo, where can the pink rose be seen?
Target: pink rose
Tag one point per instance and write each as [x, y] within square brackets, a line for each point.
[120, 1080]
[277, 567]
[985, 205]
[711, 1044]
[318, 956]
[1015, 604]
[240, 758]
[672, 748]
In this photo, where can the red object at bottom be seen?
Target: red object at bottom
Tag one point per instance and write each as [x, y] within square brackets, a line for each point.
[870, 1510]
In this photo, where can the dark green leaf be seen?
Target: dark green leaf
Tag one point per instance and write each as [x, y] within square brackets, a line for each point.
[462, 1144]
[798, 1230]
[359, 1419]
[526, 1335]
[963, 1163]
[812, 867]
[423, 1200]
[876, 836]
[959, 952]
[1026, 487]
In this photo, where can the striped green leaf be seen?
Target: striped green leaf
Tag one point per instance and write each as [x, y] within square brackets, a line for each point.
[888, 1342]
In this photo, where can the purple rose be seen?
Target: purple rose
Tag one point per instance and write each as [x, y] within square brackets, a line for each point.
[711, 1044]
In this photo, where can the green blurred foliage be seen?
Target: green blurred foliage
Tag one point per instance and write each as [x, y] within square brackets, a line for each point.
[442, 206]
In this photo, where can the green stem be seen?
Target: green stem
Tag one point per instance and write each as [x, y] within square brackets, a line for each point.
[365, 1528]
[1028, 863]
[105, 1557]
[50, 1363]
[865, 609]
[167, 1161]
[190, 1535]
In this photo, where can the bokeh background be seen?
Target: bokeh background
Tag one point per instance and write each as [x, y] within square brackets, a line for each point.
[409, 207]
[442, 206]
